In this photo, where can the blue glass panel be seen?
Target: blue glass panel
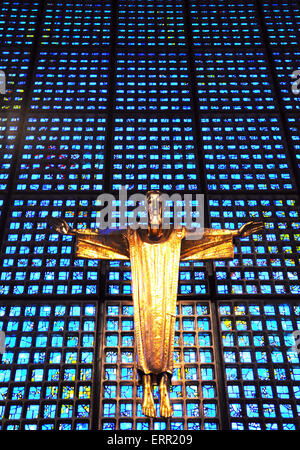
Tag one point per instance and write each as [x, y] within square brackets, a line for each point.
[70, 81]
[163, 23]
[192, 363]
[223, 23]
[142, 83]
[8, 134]
[33, 368]
[269, 379]
[62, 154]
[154, 153]
[282, 21]
[15, 65]
[281, 220]
[18, 22]
[245, 153]
[52, 256]
[286, 63]
[84, 25]
[233, 82]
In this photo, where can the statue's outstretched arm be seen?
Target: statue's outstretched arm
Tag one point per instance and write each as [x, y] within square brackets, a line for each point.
[60, 226]
[215, 244]
[249, 228]
[95, 244]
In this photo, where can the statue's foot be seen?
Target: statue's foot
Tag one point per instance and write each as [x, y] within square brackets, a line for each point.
[166, 409]
[148, 407]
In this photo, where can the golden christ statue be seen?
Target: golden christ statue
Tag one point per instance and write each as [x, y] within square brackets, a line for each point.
[154, 254]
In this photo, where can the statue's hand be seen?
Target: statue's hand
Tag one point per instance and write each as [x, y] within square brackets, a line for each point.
[250, 228]
[60, 225]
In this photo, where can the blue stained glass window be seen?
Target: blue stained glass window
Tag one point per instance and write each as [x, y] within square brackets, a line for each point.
[70, 81]
[142, 83]
[29, 367]
[8, 133]
[18, 22]
[278, 216]
[250, 147]
[224, 87]
[119, 366]
[62, 154]
[144, 148]
[273, 384]
[286, 63]
[178, 95]
[15, 65]
[294, 132]
[163, 23]
[34, 214]
[282, 21]
[83, 25]
[220, 23]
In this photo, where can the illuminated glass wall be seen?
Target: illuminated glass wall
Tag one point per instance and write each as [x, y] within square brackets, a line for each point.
[183, 96]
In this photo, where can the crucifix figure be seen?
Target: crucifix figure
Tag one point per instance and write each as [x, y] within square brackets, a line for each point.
[154, 254]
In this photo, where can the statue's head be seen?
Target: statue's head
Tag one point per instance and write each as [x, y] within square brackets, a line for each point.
[154, 208]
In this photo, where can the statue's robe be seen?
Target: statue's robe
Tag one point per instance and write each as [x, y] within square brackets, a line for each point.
[155, 269]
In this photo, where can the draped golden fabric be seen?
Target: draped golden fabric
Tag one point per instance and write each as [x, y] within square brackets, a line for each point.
[102, 245]
[154, 268]
[213, 245]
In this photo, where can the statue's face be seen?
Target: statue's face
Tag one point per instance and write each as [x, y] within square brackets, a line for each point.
[154, 209]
